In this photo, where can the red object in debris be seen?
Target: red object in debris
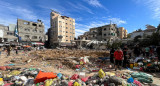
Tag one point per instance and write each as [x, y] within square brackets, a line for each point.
[70, 83]
[141, 69]
[74, 77]
[42, 76]
[8, 84]
[7, 67]
[77, 66]
[95, 70]
[2, 68]
[84, 79]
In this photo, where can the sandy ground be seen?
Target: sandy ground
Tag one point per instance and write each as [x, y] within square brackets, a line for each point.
[4, 60]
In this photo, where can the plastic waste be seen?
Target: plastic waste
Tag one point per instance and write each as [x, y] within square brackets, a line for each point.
[59, 75]
[110, 74]
[130, 80]
[1, 82]
[101, 73]
[48, 82]
[76, 84]
[15, 72]
[74, 77]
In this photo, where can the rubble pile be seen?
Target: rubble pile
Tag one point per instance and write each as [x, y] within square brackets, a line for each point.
[37, 77]
[70, 53]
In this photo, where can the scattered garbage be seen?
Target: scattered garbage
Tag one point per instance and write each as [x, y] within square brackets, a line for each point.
[83, 66]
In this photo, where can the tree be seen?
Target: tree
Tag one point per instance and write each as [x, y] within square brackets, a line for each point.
[154, 38]
[128, 35]
[136, 39]
[116, 44]
[140, 30]
[158, 28]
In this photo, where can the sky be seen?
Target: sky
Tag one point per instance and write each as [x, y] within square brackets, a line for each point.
[130, 14]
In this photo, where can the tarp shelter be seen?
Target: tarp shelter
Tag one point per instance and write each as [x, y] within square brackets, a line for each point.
[27, 46]
[37, 43]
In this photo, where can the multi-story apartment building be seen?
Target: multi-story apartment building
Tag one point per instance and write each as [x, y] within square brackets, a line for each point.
[7, 33]
[29, 31]
[62, 29]
[125, 33]
[122, 32]
[102, 33]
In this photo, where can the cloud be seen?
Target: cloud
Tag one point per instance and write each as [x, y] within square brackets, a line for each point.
[78, 19]
[12, 12]
[153, 5]
[95, 3]
[80, 7]
[117, 21]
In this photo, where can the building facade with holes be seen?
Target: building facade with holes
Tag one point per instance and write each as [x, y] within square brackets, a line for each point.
[62, 30]
[102, 33]
[29, 31]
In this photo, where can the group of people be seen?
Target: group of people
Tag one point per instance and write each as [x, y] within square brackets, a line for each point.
[117, 57]
[120, 57]
[8, 49]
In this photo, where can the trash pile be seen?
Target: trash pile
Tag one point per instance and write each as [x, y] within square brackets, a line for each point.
[145, 64]
[37, 77]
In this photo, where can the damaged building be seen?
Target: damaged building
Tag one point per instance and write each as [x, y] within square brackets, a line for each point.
[30, 32]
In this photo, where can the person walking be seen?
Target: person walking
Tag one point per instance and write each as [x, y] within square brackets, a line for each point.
[16, 49]
[112, 55]
[158, 52]
[125, 53]
[143, 51]
[147, 51]
[118, 54]
[9, 48]
[0, 51]
[151, 51]
[137, 51]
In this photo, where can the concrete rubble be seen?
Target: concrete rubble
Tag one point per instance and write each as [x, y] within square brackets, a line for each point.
[66, 68]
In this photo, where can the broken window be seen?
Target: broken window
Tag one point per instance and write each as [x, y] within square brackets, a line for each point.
[34, 37]
[26, 36]
[40, 25]
[34, 24]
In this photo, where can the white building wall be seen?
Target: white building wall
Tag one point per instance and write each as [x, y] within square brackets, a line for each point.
[136, 34]
[1, 33]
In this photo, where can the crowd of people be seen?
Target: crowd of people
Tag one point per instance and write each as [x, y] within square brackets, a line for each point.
[120, 57]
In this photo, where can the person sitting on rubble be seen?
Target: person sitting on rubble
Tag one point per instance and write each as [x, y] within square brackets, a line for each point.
[118, 54]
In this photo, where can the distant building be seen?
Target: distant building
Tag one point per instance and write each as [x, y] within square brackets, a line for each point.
[122, 32]
[62, 30]
[6, 34]
[137, 33]
[29, 31]
[102, 33]
[143, 33]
